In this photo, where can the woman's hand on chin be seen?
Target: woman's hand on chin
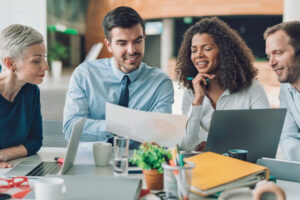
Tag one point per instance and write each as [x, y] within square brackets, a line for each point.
[200, 83]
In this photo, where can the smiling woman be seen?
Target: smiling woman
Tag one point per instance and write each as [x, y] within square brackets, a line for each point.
[22, 56]
[216, 67]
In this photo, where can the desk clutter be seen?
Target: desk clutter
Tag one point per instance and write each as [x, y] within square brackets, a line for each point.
[16, 187]
[206, 173]
[218, 176]
[215, 173]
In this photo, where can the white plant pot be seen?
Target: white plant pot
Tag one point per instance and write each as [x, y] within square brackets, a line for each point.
[56, 68]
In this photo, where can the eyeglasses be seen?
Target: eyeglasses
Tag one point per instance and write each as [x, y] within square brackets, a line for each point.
[19, 182]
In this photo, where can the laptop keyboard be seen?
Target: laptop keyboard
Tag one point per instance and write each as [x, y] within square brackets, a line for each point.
[45, 168]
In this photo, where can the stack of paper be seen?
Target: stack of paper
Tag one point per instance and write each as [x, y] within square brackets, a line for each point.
[214, 173]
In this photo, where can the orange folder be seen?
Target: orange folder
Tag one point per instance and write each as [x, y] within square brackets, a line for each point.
[214, 173]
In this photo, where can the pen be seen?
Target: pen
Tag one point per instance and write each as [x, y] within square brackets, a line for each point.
[178, 178]
[179, 156]
[191, 78]
[181, 175]
[173, 152]
[172, 163]
[59, 160]
[181, 160]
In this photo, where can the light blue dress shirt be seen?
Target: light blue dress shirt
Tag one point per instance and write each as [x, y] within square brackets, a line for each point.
[290, 138]
[94, 83]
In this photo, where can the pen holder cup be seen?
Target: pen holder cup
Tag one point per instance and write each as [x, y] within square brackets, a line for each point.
[177, 180]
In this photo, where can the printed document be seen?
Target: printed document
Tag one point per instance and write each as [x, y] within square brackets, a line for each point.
[167, 130]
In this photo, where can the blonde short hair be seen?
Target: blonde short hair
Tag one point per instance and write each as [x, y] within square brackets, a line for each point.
[15, 39]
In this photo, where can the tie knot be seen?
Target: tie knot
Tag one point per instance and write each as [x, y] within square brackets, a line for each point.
[126, 80]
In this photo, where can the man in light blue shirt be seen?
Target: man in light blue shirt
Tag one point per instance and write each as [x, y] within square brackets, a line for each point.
[283, 51]
[94, 83]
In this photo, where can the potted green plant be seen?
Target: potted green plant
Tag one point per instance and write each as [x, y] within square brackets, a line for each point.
[150, 157]
[56, 53]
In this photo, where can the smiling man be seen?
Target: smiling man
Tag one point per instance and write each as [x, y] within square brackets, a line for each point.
[123, 79]
[283, 51]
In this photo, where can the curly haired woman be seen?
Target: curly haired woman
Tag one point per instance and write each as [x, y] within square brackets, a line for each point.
[221, 67]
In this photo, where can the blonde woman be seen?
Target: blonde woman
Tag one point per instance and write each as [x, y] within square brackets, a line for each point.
[22, 57]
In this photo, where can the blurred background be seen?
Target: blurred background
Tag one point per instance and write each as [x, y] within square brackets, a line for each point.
[73, 33]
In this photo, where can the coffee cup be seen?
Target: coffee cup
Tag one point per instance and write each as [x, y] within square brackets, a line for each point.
[48, 188]
[102, 153]
[240, 154]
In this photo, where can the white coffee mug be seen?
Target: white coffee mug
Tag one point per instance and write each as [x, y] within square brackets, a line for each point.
[102, 153]
[49, 188]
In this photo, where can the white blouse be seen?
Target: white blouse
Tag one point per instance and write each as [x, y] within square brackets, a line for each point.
[199, 117]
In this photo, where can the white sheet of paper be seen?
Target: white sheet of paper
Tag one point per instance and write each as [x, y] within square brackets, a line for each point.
[167, 130]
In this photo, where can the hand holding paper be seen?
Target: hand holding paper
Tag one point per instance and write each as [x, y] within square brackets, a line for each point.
[166, 130]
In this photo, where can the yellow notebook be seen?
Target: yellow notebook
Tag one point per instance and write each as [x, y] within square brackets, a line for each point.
[214, 173]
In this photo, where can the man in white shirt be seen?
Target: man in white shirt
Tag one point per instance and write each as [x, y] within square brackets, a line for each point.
[283, 51]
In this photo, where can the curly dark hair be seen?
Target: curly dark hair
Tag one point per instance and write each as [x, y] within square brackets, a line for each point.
[235, 70]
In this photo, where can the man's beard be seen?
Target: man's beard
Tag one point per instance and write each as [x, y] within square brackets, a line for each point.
[293, 72]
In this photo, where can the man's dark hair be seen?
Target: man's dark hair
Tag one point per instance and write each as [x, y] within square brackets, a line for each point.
[124, 17]
[292, 29]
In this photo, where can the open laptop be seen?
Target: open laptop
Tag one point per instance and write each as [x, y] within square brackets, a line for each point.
[36, 167]
[282, 169]
[99, 187]
[256, 130]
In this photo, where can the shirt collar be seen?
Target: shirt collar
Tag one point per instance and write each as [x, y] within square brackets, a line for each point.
[119, 74]
[226, 92]
[292, 89]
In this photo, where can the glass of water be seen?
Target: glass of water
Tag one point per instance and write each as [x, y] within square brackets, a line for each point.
[120, 163]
